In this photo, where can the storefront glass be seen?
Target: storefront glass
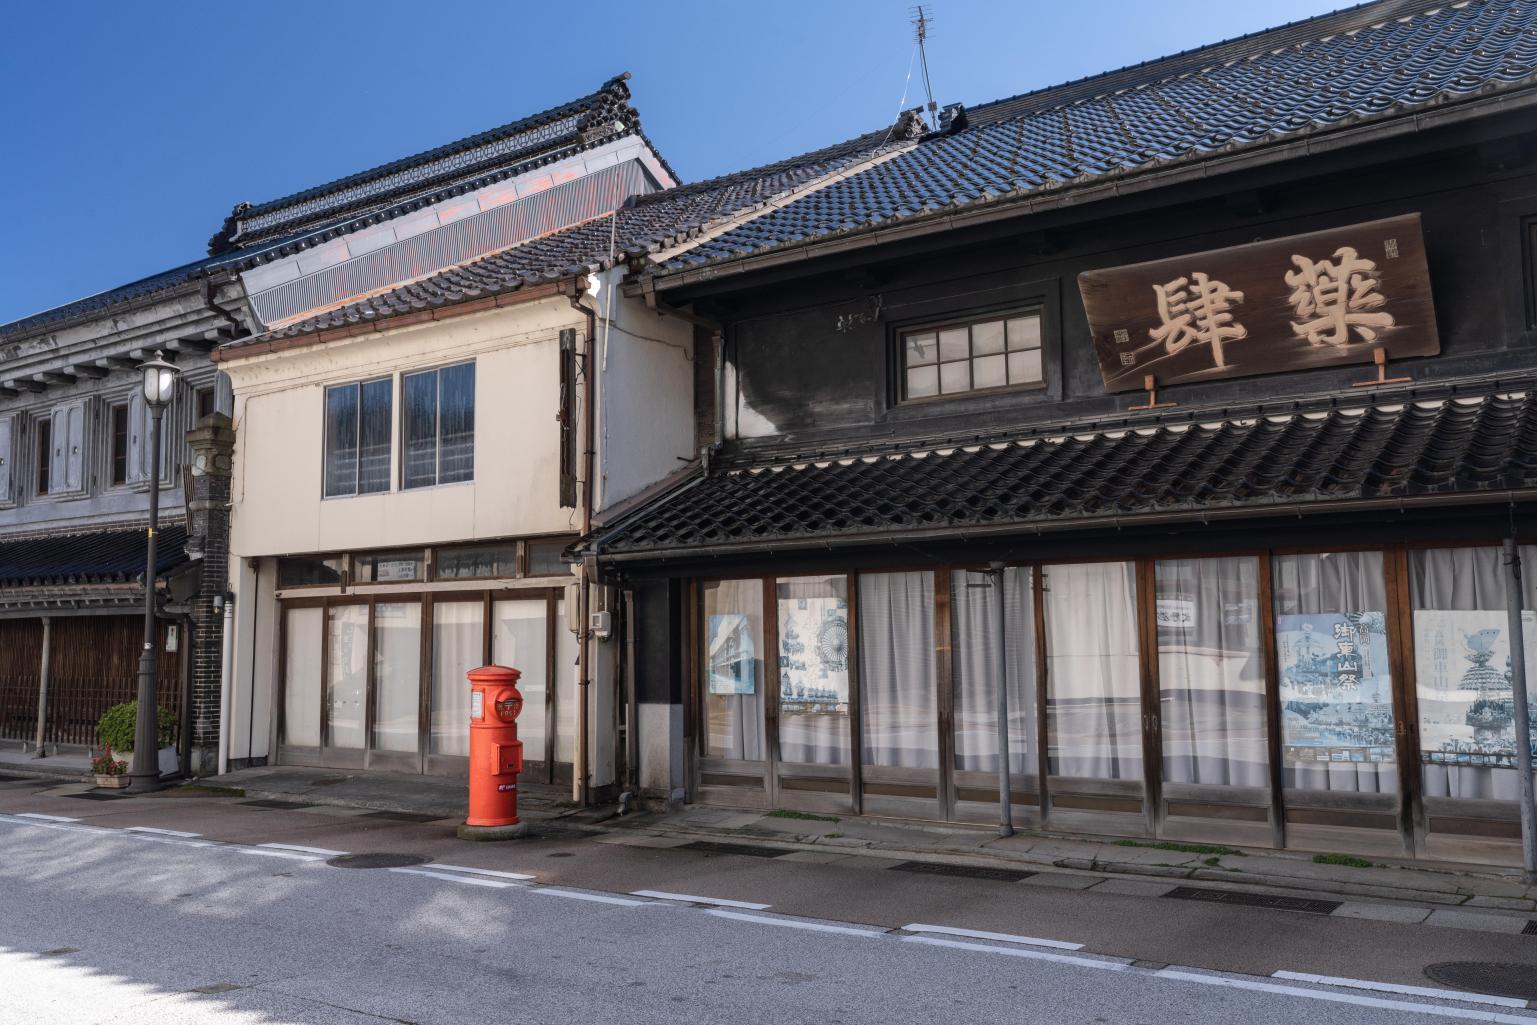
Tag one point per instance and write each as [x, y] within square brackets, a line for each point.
[397, 675]
[519, 640]
[813, 667]
[347, 675]
[457, 637]
[974, 626]
[733, 670]
[898, 687]
[301, 689]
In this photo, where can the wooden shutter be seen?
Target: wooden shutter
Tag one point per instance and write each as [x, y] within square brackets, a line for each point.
[66, 466]
[567, 418]
[138, 438]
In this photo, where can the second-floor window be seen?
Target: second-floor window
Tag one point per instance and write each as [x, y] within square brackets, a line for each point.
[438, 426]
[117, 417]
[357, 456]
[971, 356]
[43, 454]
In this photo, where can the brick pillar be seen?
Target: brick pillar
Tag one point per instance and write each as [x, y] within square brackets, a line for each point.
[213, 445]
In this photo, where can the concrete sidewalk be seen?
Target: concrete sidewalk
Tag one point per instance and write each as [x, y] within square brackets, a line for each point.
[14, 762]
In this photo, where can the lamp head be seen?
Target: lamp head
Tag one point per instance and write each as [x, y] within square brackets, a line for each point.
[159, 380]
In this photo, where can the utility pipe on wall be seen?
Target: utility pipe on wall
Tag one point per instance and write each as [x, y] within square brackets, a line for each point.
[226, 670]
[579, 782]
[1005, 795]
[42, 684]
[1513, 605]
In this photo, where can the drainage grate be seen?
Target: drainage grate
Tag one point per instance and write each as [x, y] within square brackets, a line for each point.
[97, 795]
[405, 816]
[1000, 875]
[1254, 900]
[376, 860]
[1531, 928]
[286, 805]
[747, 850]
[1489, 977]
[328, 781]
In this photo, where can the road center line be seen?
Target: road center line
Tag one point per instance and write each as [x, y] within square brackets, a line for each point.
[1030, 955]
[322, 851]
[161, 832]
[493, 873]
[175, 841]
[596, 898]
[1001, 937]
[1413, 991]
[290, 855]
[452, 878]
[1464, 1013]
[690, 898]
[44, 818]
[791, 923]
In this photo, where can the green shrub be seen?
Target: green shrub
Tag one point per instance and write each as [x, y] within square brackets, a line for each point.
[116, 726]
[1349, 860]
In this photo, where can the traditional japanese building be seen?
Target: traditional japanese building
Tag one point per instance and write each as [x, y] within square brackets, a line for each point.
[1225, 361]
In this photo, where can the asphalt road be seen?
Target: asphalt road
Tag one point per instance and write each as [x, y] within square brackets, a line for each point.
[104, 922]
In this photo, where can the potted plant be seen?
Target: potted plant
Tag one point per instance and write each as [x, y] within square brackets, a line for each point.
[109, 771]
[116, 727]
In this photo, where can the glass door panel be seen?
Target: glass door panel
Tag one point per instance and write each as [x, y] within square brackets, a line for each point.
[302, 677]
[519, 639]
[812, 620]
[1462, 677]
[346, 677]
[899, 694]
[458, 633]
[735, 744]
[1211, 682]
[1094, 714]
[398, 679]
[1339, 763]
[974, 669]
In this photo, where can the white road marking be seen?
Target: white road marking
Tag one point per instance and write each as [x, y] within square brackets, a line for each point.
[1031, 955]
[161, 832]
[1001, 937]
[493, 873]
[290, 855]
[1413, 991]
[596, 898]
[452, 878]
[44, 818]
[323, 851]
[175, 841]
[746, 905]
[1465, 1013]
[790, 923]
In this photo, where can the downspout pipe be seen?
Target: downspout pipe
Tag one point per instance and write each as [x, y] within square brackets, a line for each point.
[44, 671]
[581, 784]
[226, 671]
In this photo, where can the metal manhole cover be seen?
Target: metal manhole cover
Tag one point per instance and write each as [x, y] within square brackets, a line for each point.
[1489, 977]
[376, 860]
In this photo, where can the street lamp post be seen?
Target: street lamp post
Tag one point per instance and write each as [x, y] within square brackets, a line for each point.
[144, 772]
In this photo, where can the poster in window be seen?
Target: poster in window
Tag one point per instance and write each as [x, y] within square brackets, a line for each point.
[732, 654]
[1463, 682]
[1336, 687]
[814, 654]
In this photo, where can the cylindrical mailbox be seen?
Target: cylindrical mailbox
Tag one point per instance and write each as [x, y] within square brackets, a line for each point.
[496, 753]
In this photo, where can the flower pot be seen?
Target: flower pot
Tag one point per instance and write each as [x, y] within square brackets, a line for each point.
[111, 782]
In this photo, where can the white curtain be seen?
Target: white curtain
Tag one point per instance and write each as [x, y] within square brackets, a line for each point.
[301, 677]
[813, 670]
[734, 680]
[347, 674]
[1454, 670]
[457, 635]
[1093, 681]
[397, 675]
[974, 627]
[1211, 672]
[518, 641]
[1332, 739]
[898, 688]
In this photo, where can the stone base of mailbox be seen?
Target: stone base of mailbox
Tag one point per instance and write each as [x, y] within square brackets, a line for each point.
[512, 832]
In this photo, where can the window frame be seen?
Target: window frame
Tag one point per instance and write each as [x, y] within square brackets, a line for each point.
[42, 454]
[114, 408]
[437, 421]
[325, 438]
[969, 320]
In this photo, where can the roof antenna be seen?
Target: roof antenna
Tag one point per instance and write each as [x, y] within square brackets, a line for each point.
[922, 19]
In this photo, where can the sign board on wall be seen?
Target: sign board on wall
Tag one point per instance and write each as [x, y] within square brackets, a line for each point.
[1318, 300]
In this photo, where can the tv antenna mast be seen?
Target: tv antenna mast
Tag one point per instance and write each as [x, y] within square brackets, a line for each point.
[921, 20]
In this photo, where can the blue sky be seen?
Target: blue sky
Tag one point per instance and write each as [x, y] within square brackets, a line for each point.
[130, 129]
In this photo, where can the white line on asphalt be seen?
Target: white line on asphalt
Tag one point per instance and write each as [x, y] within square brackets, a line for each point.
[449, 876]
[174, 841]
[493, 873]
[596, 898]
[1031, 955]
[161, 832]
[790, 923]
[44, 818]
[1413, 991]
[290, 855]
[1002, 937]
[324, 851]
[1465, 1013]
[690, 898]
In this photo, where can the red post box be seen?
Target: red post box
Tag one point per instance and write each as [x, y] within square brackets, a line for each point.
[496, 755]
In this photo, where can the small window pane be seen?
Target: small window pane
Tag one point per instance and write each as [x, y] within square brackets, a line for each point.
[953, 345]
[922, 382]
[987, 338]
[1025, 367]
[544, 558]
[346, 674]
[310, 572]
[458, 631]
[387, 567]
[419, 395]
[922, 349]
[1025, 332]
[456, 423]
[954, 377]
[120, 444]
[342, 440]
[988, 372]
[481, 562]
[374, 446]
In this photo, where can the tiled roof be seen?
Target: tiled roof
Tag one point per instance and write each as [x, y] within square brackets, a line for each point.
[646, 224]
[140, 289]
[1173, 463]
[99, 557]
[1376, 61]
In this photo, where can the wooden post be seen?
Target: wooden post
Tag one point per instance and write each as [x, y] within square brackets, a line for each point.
[42, 685]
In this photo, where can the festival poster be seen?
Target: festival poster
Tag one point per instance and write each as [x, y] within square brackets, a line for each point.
[732, 654]
[814, 654]
[1463, 683]
[1336, 687]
